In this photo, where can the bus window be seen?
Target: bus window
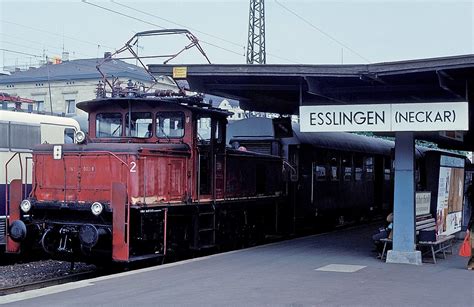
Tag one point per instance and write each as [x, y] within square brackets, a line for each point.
[24, 136]
[108, 125]
[4, 133]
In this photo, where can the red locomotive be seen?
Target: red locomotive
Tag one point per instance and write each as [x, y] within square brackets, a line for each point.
[154, 175]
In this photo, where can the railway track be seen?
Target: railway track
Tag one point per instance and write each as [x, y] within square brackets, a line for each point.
[49, 282]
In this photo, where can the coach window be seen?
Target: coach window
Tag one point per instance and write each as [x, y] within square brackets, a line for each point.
[320, 167]
[358, 168]
[347, 167]
[139, 123]
[108, 125]
[387, 169]
[369, 168]
[334, 168]
[4, 133]
[170, 125]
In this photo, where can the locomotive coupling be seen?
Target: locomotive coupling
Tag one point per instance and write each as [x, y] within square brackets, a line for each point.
[18, 231]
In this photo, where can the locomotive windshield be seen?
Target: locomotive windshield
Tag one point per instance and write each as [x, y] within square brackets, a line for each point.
[167, 125]
[170, 124]
[108, 125]
[140, 123]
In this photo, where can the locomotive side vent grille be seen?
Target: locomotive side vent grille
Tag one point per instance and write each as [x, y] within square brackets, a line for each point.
[263, 148]
[2, 230]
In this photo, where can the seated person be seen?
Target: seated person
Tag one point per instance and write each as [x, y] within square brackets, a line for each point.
[384, 232]
[149, 133]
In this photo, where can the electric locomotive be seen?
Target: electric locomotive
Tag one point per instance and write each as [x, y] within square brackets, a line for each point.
[153, 175]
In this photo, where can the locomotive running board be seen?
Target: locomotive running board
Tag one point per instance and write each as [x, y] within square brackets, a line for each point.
[120, 226]
[13, 213]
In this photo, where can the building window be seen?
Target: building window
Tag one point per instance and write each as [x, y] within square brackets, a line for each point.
[70, 106]
[39, 105]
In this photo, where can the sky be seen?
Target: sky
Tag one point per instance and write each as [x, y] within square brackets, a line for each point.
[297, 31]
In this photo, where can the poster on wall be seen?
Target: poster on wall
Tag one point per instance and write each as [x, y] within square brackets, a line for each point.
[450, 195]
[422, 203]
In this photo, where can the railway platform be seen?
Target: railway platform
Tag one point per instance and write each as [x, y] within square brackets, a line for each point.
[333, 269]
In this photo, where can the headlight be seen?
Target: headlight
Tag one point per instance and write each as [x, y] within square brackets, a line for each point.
[97, 208]
[25, 205]
[80, 136]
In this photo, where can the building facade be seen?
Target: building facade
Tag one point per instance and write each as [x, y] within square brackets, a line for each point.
[56, 88]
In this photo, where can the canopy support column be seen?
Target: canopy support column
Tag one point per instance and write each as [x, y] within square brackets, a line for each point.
[404, 202]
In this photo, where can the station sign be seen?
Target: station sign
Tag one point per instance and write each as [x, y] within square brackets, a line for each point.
[444, 116]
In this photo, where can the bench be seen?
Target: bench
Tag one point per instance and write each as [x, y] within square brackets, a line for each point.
[426, 237]
[441, 244]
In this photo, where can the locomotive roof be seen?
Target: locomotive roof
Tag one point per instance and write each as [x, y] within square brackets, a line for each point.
[194, 103]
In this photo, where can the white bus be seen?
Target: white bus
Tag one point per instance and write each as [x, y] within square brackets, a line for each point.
[19, 133]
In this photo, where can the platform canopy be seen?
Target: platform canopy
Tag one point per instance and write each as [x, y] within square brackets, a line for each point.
[283, 88]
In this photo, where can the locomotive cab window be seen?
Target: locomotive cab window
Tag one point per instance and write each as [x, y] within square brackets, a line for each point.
[139, 125]
[204, 129]
[108, 125]
[170, 125]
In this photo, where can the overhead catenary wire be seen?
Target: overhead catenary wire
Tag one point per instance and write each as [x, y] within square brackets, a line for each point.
[19, 52]
[51, 47]
[181, 25]
[178, 24]
[56, 34]
[197, 31]
[155, 25]
[322, 32]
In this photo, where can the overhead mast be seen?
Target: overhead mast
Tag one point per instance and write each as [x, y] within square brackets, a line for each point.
[256, 39]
